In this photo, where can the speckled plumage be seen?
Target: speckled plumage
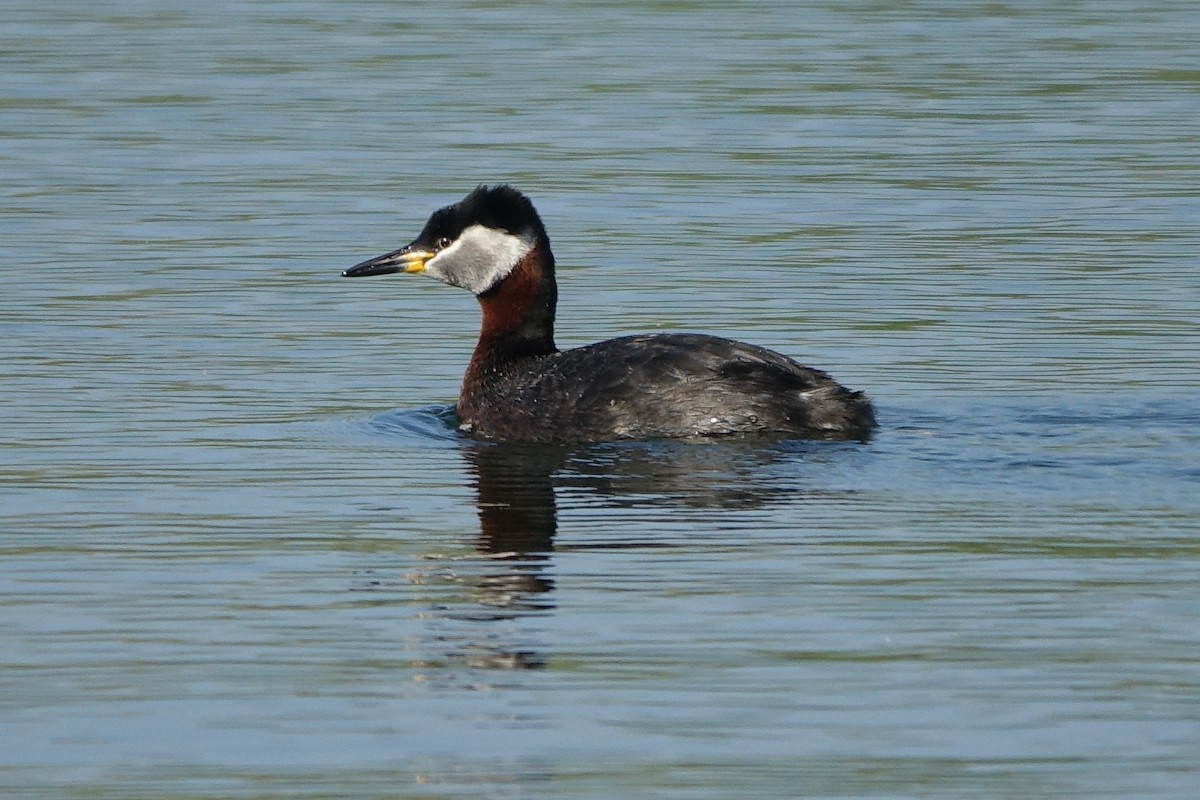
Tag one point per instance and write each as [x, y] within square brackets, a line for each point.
[519, 386]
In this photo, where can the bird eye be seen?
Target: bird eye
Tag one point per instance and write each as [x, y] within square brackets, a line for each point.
[443, 243]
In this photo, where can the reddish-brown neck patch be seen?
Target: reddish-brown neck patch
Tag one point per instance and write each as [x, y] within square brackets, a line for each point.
[518, 324]
[506, 306]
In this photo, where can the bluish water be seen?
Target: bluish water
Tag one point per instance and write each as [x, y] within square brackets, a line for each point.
[245, 553]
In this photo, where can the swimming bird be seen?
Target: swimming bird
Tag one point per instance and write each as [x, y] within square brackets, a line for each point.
[519, 386]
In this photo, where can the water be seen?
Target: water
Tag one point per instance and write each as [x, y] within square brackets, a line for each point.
[245, 554]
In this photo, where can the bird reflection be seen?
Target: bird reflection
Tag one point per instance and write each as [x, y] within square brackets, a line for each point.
[516, 488]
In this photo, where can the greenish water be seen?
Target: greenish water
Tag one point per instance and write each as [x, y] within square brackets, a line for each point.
[244, 554]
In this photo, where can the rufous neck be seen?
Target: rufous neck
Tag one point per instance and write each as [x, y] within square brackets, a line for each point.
[518, 313]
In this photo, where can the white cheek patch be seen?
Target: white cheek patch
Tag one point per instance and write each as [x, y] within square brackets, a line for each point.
[478, 258]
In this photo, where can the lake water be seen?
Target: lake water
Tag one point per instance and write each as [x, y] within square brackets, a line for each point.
[246, 555]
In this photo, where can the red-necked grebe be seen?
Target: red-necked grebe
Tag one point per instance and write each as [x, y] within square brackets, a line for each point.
[520, 387]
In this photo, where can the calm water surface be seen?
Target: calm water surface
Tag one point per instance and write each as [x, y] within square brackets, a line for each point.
[245, 553]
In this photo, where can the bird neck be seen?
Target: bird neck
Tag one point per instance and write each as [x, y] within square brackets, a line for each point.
[518, 312]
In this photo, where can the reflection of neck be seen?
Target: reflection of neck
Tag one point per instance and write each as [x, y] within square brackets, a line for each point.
[515, 498]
